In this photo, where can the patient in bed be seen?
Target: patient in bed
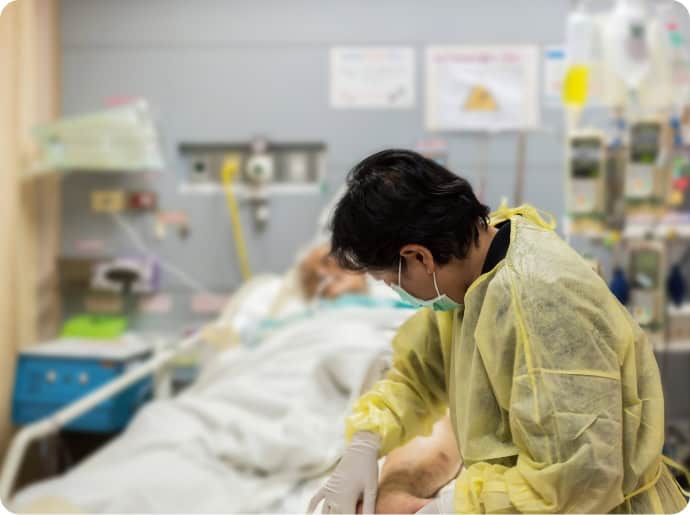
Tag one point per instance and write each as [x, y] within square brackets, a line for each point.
[252, 433]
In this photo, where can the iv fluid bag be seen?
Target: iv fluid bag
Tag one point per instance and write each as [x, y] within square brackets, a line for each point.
[580, 37]
[628, 38]
[576, 85]
[581, 44]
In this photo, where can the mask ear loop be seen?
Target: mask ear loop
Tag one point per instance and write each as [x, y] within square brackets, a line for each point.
[435, 285]
[400, 277]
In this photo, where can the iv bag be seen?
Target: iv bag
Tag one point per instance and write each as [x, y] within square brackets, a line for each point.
[580, 36]
[627, 35]
[580, 52]
[576, 85]
[675, 49]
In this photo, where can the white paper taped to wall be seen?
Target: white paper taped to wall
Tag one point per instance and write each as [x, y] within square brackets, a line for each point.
[476, 88]
[372, 77]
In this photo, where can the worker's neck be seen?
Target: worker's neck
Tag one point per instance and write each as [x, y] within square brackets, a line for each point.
[466, 271]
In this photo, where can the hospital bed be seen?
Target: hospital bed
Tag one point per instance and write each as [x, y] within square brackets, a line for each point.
[227, 336]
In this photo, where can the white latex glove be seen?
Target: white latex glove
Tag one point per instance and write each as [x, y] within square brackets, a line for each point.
[442, 504]
[355, 477]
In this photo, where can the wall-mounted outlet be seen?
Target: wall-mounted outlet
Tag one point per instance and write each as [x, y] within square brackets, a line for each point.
[142, 201]
[200, 168]
[107, 201]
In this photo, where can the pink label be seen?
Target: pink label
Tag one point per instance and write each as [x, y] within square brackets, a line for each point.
[208, 303]
[173, 217]
[431, 145]
[89, 245]
[120, 100]
[156, 304]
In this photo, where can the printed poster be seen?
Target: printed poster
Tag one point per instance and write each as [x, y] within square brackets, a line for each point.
[487, 88]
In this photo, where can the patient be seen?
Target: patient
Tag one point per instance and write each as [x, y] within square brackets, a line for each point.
[321, 276]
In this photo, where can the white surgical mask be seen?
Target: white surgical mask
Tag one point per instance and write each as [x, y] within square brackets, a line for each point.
[439, 303]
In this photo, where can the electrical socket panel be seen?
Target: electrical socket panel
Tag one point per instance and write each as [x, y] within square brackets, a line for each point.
[290, 164]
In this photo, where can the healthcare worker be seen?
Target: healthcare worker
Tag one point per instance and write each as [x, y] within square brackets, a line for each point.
[553, 390]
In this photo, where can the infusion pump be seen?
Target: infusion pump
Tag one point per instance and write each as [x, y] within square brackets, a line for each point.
[587, 175]
[645, 170]
[646, 266]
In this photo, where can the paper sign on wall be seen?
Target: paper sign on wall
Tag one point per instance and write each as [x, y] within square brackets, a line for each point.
[555, 66]
[482, 88]
[372, 77]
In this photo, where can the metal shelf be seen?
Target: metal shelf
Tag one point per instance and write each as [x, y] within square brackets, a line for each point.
[243, 191]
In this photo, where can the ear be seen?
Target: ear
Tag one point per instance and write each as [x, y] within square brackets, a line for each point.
[421, 254]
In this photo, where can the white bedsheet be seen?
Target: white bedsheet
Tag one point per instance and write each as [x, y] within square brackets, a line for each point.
[253, 434]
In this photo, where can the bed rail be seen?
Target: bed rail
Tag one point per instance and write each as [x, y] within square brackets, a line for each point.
[53, 423]
[157, 363]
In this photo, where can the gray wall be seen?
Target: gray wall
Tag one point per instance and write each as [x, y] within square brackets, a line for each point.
[223, 70]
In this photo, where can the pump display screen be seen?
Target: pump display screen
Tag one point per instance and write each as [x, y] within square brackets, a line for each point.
[645, 269]
[585, 162]
[644, 143]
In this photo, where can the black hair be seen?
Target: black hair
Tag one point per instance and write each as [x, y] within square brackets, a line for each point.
[397, 197]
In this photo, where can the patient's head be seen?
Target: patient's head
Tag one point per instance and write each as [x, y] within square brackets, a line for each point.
[319, 271]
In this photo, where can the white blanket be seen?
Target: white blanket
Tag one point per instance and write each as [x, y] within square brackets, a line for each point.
[251, 435]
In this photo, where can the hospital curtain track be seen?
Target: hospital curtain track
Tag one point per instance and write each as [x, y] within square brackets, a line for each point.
[29, 208]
